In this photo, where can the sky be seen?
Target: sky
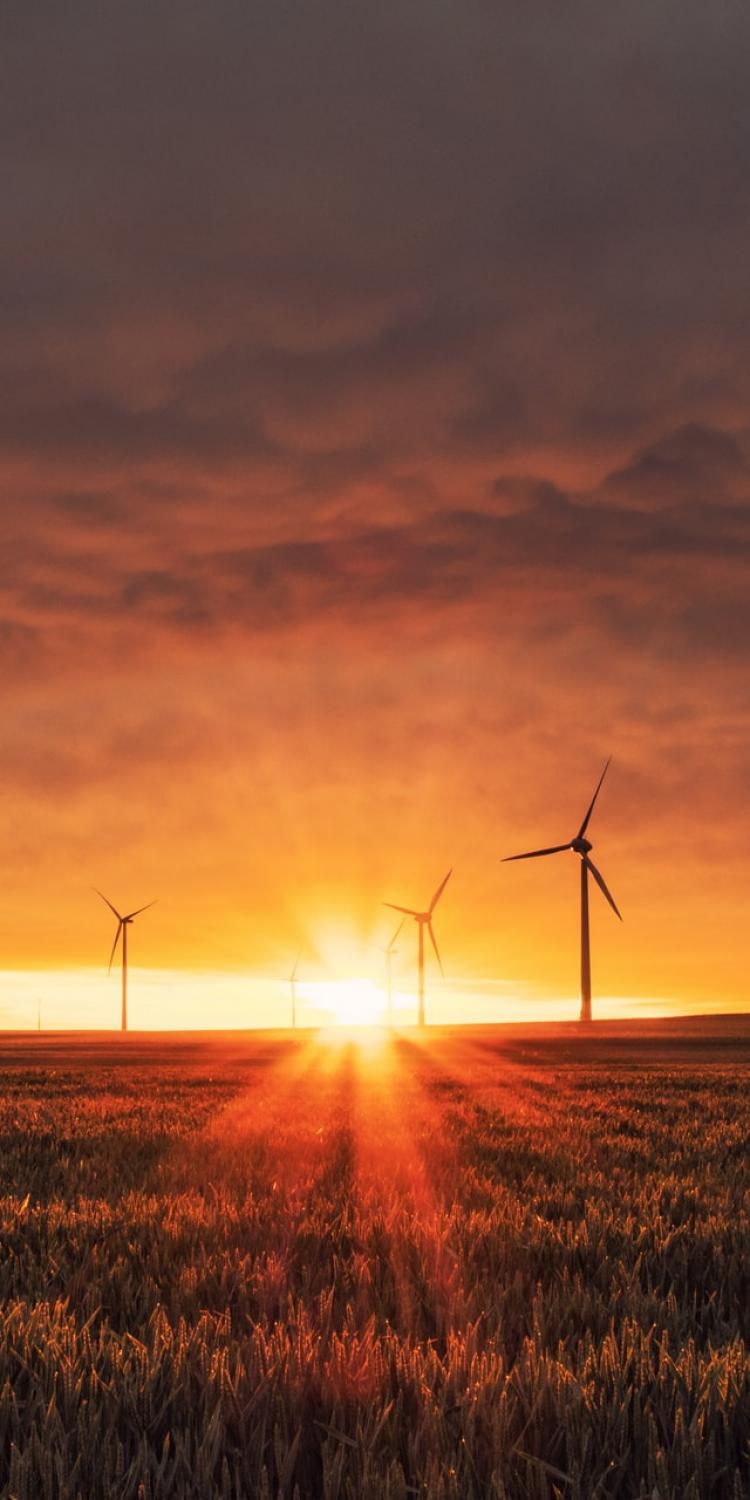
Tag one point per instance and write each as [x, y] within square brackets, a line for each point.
[374, 463]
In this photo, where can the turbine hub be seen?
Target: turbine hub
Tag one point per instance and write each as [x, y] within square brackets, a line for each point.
[581, 846]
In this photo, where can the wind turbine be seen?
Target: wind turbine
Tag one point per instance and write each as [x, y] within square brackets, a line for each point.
[293, 983]
[389, 952]
[423, 919]
[123, 922]
[580, 845]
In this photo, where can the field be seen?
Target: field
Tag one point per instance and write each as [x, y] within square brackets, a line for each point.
[496, 1263]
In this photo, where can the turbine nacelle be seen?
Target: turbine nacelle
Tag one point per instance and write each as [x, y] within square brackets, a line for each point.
[581, 846]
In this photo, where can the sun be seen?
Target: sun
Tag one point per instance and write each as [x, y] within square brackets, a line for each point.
[354, 1002]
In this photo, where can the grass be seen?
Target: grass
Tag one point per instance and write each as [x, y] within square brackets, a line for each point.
[497, 1264]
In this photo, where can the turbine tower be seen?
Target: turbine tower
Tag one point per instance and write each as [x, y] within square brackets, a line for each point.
[580, 845]
[389, 952]
[293, 983]
[423, 919]
[123, 922]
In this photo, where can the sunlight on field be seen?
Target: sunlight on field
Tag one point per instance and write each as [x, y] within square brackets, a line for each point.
[368, 1043]
[377, 1249]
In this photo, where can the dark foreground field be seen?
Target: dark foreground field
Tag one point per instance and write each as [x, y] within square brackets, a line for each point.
[502, 1263]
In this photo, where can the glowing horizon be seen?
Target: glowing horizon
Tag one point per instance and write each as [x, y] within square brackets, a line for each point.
[86, 999]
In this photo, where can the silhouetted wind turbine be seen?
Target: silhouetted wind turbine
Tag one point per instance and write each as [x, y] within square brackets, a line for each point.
[293, 983]
[389, 952]
[580, 845]
[423, 919]
[123, 922]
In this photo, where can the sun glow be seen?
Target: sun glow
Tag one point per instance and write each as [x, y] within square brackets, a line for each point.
[353, 1002]
[187, 1000]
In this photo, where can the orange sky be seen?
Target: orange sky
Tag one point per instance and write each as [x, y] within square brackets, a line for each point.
[375, 461]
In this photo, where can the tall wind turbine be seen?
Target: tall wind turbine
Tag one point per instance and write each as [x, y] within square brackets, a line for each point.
[423, 919]
[123, 922]
[389, 952]
[580, 845]
[293, 983]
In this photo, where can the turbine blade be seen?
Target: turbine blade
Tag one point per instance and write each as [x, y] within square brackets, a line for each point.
[293, 974]
[116, 941]
[107, 903]
[435, 946]
[602, 886]
[389, 949]
[536, 853]
[129, 915]
[406, 909]
[585, 822]
[438, 893]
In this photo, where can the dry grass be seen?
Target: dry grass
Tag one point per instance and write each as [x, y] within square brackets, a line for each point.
[482, 1267]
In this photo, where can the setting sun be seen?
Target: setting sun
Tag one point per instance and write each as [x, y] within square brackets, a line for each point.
[352, 1002]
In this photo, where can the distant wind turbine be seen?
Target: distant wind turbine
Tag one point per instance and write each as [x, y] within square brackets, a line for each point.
[423, 919]
[580, 845]
[123, 922]
[293, 983]
[389, 952]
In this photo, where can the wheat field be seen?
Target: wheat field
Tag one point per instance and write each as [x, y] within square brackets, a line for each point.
[486, 1263]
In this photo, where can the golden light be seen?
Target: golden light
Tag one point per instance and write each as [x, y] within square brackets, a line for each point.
[353, 1002]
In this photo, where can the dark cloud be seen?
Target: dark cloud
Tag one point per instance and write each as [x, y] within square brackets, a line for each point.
[567, 185]
[555, 558]
[695, 461]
